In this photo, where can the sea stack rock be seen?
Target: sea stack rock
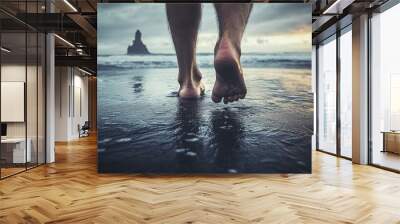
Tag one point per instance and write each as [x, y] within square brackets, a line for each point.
[137, 46]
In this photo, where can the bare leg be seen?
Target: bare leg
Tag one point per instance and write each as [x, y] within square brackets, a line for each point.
[184, 20]
[232, 20]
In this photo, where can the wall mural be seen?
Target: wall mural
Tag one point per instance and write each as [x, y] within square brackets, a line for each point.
[204, 88]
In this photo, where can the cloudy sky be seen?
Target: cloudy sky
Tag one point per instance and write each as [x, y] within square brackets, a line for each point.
[272, 27]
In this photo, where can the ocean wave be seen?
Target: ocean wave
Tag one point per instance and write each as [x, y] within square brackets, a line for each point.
[205, 61]
[137, 64]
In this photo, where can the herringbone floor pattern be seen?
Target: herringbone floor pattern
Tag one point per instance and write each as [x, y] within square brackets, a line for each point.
[71, 191]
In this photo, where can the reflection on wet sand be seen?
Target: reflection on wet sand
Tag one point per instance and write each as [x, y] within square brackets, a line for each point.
[188, 140]
[144, 127]
[227, 133]
[221, 149]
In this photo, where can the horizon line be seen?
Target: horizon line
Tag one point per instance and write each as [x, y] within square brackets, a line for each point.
[211, 53]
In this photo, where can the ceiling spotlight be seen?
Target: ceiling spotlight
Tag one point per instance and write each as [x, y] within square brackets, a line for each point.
[5, 50]
[79, 51]
[70, 5]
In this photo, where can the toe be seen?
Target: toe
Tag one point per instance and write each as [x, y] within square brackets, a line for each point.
[226, 100]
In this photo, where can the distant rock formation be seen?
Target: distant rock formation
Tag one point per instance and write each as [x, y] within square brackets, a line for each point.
[137, 46]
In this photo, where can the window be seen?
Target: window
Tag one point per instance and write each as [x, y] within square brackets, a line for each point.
[346, 93]
[385, 89]
[327, 96]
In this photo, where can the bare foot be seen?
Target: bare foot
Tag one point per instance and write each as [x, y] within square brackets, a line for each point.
[229, 83]
[191, 89]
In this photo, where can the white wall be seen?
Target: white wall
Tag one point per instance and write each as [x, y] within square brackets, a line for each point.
[70, 83]
[79, 103]
[62, 82]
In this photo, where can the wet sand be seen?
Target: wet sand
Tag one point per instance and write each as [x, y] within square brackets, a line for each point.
[144, 127]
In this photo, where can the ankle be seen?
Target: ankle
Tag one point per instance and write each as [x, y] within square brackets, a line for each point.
[225, 42]
[195, 76]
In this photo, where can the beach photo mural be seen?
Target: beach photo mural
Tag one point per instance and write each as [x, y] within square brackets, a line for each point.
[204, 88]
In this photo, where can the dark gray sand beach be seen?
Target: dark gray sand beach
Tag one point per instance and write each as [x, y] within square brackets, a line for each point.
[145, 128]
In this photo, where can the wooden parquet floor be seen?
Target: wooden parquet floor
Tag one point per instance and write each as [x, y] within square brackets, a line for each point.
[71, 191]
